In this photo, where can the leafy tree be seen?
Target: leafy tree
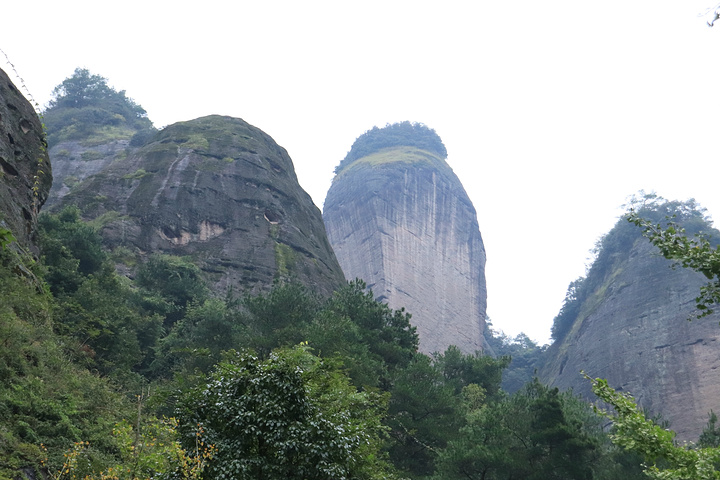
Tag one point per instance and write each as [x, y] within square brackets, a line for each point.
[670, 235]
[664, 458]
[84, 103]
[710, 436]
[288, 416]
[424, 414]
[278, 318]
[425, 404]
[538, 433]
[388, 334]
[398, 134]
[72, 249]
[148, 450]
[92, 303]
[170, 285]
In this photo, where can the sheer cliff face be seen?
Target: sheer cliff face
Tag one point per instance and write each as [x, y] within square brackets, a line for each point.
[220, 191]
[401, 220]
[633, 331]
[25, 176]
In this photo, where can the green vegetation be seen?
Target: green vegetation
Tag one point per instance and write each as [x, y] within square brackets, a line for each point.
[526, 357]
[290, 416]
[666, 224]
[403, 134]
[84, 107]
[653, 213]
[662, 457]
[670, 235]
[280, 385]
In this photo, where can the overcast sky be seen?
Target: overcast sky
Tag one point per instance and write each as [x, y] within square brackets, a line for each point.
[552, 113]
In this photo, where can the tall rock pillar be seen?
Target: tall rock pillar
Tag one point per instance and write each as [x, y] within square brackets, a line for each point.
[399, 218]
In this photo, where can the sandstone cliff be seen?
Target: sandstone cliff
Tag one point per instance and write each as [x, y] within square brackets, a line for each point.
[400, 219]
[25, 175]
[74, 161]
[221, 191]
[630, 326]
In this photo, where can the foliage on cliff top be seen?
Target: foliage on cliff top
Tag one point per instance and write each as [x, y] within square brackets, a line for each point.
[398, 134]
[615, 246]
[84, 105]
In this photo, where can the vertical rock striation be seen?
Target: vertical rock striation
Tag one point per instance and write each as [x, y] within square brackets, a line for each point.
[400, 219]
[220, 191]
[631, 327]
[25, 175]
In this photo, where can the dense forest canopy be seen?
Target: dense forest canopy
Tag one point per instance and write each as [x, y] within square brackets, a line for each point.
[306, 375]
[398, 134]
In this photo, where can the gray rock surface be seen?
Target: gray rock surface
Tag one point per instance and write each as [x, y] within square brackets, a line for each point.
[633, 331]
[220, 191]
[25, 173]
[400, 220]
[73, 162]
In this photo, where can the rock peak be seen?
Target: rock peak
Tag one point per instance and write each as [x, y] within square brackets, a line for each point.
[398, 217]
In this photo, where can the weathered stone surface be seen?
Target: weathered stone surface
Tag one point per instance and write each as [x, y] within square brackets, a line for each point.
[633, 331]
[401, 220]
[221, 191]
[74, 161]
[25, 174]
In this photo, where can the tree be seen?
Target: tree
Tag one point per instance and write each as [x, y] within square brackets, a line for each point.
[537, 433]
[290, 416]
[664, 459]
[398, 134]
[710, 436]
[171, 284]
[670, 235]
[425, 406]
[84, 103]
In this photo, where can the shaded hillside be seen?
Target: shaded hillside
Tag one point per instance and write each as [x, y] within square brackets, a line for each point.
[398, 217]
[627, 321]
[24, 165]
[221, 191]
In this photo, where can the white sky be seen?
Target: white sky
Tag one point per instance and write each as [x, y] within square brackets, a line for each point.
[552, 112]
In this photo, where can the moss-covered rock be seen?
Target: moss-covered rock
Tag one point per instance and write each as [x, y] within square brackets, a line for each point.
[220, 191]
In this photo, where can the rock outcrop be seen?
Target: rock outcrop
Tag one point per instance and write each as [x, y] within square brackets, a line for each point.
[220, 191]
[25, 174]
[400, 219]
[630, 326]
[74, 161]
